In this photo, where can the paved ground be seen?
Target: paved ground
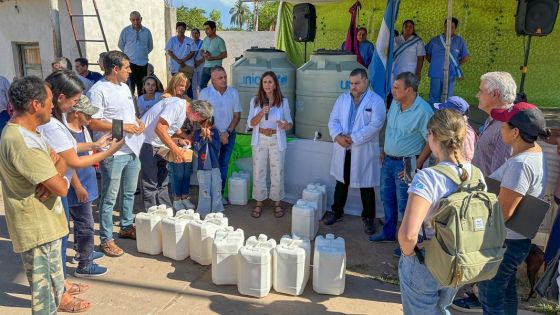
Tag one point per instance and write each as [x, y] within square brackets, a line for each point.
[143, 284]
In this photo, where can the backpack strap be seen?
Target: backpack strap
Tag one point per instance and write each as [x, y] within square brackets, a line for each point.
[450, 173]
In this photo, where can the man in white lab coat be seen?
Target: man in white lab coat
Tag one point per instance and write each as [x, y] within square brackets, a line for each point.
[354, 124]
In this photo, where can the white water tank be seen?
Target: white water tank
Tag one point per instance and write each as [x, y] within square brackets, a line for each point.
[201, 237]
[238, 193]
[292, 258]
[225, 251]
[329, 265]
[148, 233]
[304, 219]
[246, 73]
[175, 234]
[254, 273]
[320, 82]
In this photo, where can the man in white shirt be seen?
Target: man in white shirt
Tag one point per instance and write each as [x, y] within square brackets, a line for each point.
[181, 52]
[114, 100]
[227, 113]
[4, 117]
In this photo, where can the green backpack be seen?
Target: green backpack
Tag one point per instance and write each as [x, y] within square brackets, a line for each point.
[468, 245]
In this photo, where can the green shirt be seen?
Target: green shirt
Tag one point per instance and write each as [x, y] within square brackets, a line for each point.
[24, 163]
[214, 46]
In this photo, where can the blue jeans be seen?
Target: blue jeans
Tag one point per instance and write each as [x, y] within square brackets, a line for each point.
[393, 193]
[553, 244]
[4, 118]
[82, 215]
[113, 169]
[225, 155]
[499, 295]
[64, 239]
[436, 89]
[154, 177]
[420, 292]
[205, 77]
[209, 191]
[180, 178]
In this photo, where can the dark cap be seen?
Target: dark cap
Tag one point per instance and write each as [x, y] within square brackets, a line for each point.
[523, 116]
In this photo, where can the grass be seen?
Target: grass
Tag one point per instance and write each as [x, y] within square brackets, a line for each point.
[545, 307]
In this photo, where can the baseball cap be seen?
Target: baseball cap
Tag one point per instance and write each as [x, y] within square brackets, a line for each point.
[454, 102]
[84, 106]
[523, 116]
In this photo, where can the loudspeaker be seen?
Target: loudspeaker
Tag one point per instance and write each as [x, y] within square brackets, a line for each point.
[536, 17]
[304, 22]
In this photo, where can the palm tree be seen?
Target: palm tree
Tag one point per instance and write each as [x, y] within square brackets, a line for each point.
[239, 14]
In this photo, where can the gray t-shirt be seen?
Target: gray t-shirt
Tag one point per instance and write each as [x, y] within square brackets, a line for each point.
[524, 173]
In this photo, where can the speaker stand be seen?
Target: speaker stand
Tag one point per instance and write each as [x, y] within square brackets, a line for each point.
[521, 96]
[305, 52]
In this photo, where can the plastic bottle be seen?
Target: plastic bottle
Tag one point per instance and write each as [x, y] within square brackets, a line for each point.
[312, 193]
[329, 265]
[148, 233]
[201, 236]
[254, 273]
[291, 265]
[237, 192]
[225, 251]
[175, 234]
[304, 219]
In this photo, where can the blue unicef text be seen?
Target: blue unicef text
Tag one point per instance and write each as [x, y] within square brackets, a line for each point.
[252, 80]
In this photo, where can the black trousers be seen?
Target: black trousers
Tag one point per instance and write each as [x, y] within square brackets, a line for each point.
[135, 78]
[341, 194]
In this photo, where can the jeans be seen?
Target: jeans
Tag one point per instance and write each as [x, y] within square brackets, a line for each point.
[82, 215]
[135, 79]
[180, 178]
[154, 177]
[394, 194]
[209, 191]
[341, 194]
[64, 239]
[498, 296]
[4, 118]
[205, 77]
[113, 169]
[225, 154]
[420, 292]
[553, 244]
[436, 89]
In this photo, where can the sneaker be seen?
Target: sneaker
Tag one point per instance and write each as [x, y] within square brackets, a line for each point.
[332, 220]
[128, 232]
[470, 304]
[95, 255]
[381, 238]
[187, 204]
[369, 226]
[225, 201]
[91, 270]
[397, 252]
[178, 205]
[111, 249]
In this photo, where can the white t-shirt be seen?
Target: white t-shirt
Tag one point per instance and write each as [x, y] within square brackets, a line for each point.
[173, 110]
[144, 105]
[115, 102]
[408, 59]
[181, 50]
[224, 105]
[524, 173]
[59, 139]
[433, 186]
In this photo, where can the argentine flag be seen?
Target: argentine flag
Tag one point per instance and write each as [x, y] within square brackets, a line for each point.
[381, 67]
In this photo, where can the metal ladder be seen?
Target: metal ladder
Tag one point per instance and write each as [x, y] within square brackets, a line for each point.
[78, 40]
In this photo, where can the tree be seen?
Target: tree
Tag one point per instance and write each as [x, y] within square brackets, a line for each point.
[216, 16]
[268, 12]
[240, 14]
[194, 17]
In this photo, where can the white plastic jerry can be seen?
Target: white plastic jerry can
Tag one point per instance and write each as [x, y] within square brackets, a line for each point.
[247, 176]
[201, 237]
[291, 265]
[254, 273]
[312, 193]
[329, 265]
[175, 234]
[162, 210]
[304, 219]
[148, 233]
[225, 250]
[323, 189]
[237, 192]
[217, 217]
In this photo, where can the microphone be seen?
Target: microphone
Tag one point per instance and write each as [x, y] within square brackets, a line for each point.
[265, 103]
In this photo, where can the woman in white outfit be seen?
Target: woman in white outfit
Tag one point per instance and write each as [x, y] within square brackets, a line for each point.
[269, 116]
[409, 51]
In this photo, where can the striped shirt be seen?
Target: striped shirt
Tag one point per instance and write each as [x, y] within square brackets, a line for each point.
[490, 151]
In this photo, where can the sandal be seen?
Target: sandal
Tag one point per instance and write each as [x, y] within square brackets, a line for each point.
[73, 305]
[257, 213]
[76, 288]
[278, 211]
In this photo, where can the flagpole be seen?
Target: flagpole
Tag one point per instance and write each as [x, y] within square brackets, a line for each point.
[447, 51]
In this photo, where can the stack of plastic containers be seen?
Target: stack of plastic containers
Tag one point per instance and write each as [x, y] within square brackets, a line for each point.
[329, 265]
[225, 252]
[254, 276]
[201, 236]
[238, 189]
[304, 219]
[291, 265]
[175, 234]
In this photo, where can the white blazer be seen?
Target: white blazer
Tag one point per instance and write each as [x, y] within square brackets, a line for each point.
[282, 114]
[365, 168]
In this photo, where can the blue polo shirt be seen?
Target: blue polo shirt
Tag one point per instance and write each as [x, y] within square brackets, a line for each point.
[436, 49]
[136, 44]
[406, 132]
[366, 51]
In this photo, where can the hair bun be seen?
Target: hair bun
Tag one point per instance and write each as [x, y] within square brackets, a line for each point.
[545, 133]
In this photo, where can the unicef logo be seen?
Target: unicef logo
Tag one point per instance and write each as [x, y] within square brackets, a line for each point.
[344, 85]
[252, 80]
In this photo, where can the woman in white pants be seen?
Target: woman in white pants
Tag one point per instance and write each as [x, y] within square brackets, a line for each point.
[269, 116]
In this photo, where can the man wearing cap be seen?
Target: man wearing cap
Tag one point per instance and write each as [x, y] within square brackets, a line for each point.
[460, 105]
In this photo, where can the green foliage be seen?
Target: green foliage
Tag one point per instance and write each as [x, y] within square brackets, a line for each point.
[194, 17]
[216, 16]
[268, 12]
[240, 14]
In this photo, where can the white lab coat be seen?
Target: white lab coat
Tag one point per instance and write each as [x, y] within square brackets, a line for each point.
[365, 168]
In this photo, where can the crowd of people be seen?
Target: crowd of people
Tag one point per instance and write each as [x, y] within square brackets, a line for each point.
[48, 155]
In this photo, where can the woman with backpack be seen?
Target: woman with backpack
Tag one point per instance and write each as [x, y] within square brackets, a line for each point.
[421, 293]
[522, 174]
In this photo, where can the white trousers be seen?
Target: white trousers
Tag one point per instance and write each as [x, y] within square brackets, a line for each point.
[266, 150]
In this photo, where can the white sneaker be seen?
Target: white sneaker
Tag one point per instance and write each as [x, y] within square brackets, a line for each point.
[188, 204]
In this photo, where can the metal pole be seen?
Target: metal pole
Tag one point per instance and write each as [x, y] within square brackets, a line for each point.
[447, 50]
[521, 97]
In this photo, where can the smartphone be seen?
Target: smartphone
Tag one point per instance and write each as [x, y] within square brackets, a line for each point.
[409, 168]
[117, 129]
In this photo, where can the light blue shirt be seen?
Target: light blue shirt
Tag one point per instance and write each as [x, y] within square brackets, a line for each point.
[366, 49]
[136, 45]
[406, 132]
[354, 111]
[437, 50]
